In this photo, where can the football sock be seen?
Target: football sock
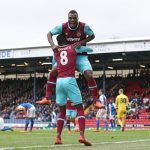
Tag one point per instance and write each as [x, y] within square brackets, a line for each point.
[106, 125]
[32, 123]
[81, 120]
[120, 122]
[51, 84]
[68, 125]
[123, 122]
[26, 124]
[60, 122]
[93, 88]
[97, 124]
[112, 124]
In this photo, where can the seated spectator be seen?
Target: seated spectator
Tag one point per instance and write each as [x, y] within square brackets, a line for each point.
[135, 115]
[2, 126]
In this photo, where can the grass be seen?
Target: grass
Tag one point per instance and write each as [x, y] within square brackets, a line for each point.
[43, 139]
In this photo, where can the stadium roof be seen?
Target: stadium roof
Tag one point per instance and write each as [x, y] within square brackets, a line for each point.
[118, 61]
[114, 54]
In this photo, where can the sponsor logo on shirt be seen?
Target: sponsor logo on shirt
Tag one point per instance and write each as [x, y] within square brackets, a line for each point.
[73, 39]
[78, 34]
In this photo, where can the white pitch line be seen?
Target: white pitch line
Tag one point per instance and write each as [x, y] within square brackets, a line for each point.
[70, 145]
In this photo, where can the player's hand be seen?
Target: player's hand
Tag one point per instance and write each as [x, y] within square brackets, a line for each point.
[55, 48]
[72, 104]
[78, 44]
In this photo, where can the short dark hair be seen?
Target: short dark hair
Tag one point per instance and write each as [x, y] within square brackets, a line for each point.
[121, 90]
[73, 12]
[61, 38]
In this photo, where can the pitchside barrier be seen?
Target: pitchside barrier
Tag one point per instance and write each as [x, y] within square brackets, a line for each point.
[20, 123]
[90, 123]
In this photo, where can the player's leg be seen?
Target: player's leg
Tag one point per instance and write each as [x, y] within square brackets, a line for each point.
[76, 129]
[97, 124]
[68, 120]
[50, 85]
[6, 129]
[120, 122]
[97, 121]
[106, 125]
[91, 84]
[123, 124]
[114, 124]
[123, 120]
[73, 121]
[54, 125]
[31, 115]
[60, 124]
[73, 116]
[111, 121]
[75, 97]
[119, 115]
[81, 121]
[104, 116]
[84, 66]
[70, 117]
[32, 123]
[61, 99]
[26, 124]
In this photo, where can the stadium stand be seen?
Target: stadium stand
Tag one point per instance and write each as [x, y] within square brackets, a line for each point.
[127, 74]
[11, 95]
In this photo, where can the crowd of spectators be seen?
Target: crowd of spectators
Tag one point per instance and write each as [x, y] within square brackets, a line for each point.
[16, 91]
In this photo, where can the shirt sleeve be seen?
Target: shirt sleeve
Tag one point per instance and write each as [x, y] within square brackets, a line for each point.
[83, 49]
[88, 31]
[56, 30]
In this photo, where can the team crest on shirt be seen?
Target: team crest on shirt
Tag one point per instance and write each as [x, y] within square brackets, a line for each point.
[78, 34]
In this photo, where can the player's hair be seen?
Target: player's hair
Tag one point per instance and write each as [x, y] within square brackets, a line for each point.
[61, 39]
[101, 90]
[73, 12]
[121, 90]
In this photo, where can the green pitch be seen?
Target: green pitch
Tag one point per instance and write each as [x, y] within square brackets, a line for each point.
[43, 139]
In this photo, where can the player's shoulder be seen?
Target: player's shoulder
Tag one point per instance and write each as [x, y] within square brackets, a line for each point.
[124, 95]
[101, 96]
[118, 96]
[83, 23]
[66, 47]
[65, 24]
[121, 95]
